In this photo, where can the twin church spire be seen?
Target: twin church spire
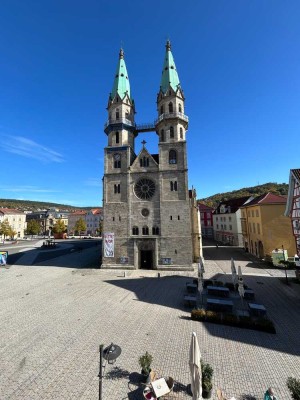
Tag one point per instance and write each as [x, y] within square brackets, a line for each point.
[169, 78]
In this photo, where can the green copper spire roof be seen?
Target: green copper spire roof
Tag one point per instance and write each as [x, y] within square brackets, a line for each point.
[169, 73]
[121, 82]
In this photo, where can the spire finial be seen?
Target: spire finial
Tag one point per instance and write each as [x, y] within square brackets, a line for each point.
[121, 54]
[143, 143]
[168, 45]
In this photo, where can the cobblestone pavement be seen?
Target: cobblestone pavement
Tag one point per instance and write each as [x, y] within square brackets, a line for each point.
[53, 320]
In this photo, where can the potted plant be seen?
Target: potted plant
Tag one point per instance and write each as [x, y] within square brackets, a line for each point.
[293, 385]
[145, 363]
[207, 374]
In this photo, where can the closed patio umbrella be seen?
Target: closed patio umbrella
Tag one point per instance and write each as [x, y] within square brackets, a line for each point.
[195, 368]
[200, 267]
[233, 271]
[241, 282]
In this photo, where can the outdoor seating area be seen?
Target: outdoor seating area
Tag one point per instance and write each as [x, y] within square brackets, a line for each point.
[222, 301]
[158, 388]
[50, 243]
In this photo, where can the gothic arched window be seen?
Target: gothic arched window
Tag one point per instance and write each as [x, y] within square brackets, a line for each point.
[179, 108]
[117, 114]
[135, 230]
[170, 107]
[161, 110]
[172, 157]
[181, 133]
[117, 137]
[145, 230]
[155, 230]
[171, 132]
[162, 135]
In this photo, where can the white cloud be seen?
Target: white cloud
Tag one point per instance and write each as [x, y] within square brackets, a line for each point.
[28, 148]
[27, 189]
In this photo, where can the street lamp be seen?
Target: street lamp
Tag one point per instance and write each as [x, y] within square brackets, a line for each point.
[110, 354]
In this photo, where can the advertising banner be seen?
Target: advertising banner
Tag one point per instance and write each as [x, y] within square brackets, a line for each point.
[3, 257]
[109, 244]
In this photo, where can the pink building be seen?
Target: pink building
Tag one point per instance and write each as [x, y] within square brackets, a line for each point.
[206, 220]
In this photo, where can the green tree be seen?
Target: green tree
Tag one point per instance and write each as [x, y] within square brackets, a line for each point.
[80, 226]
[33, 227]
[5, 228]
[59, 227]
[12, 232]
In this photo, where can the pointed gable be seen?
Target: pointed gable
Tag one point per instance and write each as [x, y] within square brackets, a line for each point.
[145, 160]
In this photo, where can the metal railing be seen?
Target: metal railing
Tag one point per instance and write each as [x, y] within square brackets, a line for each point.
[119, 121]
[172, 115]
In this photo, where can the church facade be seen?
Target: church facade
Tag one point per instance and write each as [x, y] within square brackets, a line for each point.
[151, 219]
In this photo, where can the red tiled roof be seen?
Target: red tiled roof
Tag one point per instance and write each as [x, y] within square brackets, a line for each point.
[96, 211]
[78, 212]
[268, 198]
[204, 207]
[10, 211]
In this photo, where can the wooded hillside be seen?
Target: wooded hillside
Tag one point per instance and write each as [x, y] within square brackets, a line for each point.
[276, 188]
[28, 205]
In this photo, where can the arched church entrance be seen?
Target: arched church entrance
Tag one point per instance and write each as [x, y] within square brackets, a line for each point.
[145, 254]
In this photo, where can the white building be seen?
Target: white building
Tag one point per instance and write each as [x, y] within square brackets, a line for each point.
[16, 220]
[227, 221]
[93, 219]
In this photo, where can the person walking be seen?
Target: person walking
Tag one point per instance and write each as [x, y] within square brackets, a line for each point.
[269, 395]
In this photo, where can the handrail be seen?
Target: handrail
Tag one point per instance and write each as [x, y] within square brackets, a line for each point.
[172, 115]
[119, 121]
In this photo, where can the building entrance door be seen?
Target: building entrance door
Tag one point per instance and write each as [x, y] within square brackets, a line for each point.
[146, 259]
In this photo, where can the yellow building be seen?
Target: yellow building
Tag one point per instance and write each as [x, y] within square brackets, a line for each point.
[265, 227]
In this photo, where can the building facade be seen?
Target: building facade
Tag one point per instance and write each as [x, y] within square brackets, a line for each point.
[72, 220]
[206, 213]
[16, 220]
[293, 205]
[93, 221]
[146, 204]
[227, 222]
[265, 227]
[47, 219]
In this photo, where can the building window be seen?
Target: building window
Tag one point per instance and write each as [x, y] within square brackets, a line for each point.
[155, 230]
[145, 230]
[258, 229]
[144, 162]
[254, 230]
[181, 133]
[117, 188]
[173, 186]
[179, 108]
[216, 218]
[162, 135]
[117, 137]
[171, 132]
[172, 157]
[161, 110]
[170, 107]
[230, 227]
[178, 217]
[117, 160]
[217, 226]
[171, 217]
[117, 114]
[252, 213]
[135, 230]
[119, 219]
[229, 218]
[257, 213]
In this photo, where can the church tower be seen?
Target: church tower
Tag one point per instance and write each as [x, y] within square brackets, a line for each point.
[146, 204]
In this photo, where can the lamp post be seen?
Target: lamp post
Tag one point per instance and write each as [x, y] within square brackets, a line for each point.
[285, 266]
[110, 354]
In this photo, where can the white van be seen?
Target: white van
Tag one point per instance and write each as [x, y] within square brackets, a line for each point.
[295, 259]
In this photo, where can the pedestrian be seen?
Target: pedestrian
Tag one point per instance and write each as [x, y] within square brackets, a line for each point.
[269, 395]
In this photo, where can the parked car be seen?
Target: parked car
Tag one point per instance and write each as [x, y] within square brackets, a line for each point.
[295, 259]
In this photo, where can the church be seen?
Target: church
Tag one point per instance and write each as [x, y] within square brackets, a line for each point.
[151, 219]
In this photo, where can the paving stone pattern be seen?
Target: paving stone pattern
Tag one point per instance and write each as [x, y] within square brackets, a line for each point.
[54, 319]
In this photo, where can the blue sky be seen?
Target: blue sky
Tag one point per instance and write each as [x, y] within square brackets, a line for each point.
[238, 63]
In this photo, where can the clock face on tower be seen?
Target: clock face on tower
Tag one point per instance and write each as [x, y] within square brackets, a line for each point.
[144, 189]
[117, 157]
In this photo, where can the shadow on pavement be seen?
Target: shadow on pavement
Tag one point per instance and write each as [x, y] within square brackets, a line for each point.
[281, 301]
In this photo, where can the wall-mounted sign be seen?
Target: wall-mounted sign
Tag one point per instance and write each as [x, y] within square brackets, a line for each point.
[123, 260]
[3, 257]
[109, 244]
[166, 261]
